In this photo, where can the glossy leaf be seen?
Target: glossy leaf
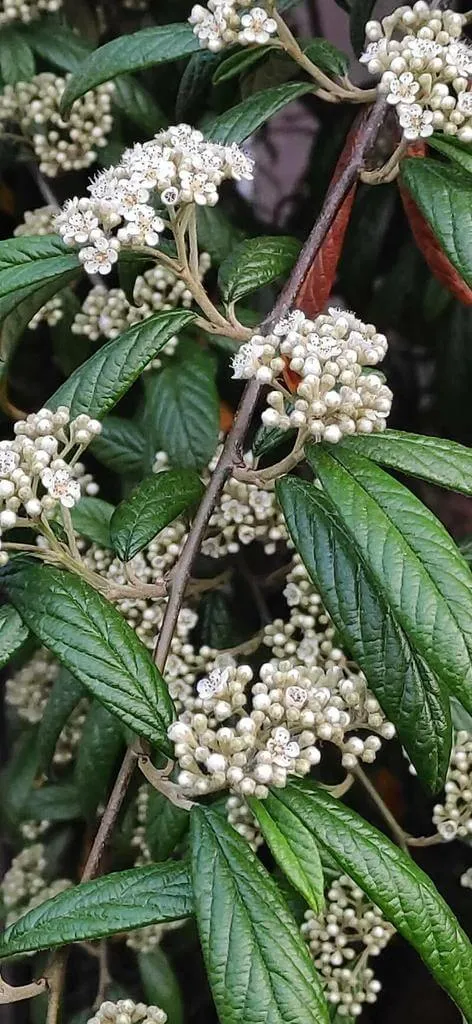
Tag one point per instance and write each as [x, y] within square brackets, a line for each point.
[193, 85]
[97, 385]
[91, 518]
[216, 234]
[17, 63]
[370, 628]
[99, 748]
[236, 124]
[255, 263]
[413, 559]
[155, 502]
[435, 459]
[120, 446]
[257, 964]
[66, 693]
[166, 825]
[28, 302]
[53, 802]
[115, 903]
[95, 643]
[32, 270]
[327, 57]
[13, 633]
[143, 49]
[182, 410]
[160, 984]
[293, 847]
[138, 105]
[392, 880]
[56, 43]
[239, 62]
[457, 151]
[360, 12]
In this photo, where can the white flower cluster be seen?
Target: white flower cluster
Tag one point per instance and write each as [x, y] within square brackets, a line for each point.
[107, 313]
[26, 10]
[125, 1011]
[41, 222]
[28, 691]
[60, 144]
[243, 821]
[225, 22]
[38, 470]
[351, 930]
[176, 167]
[425, 69]
[328, 393]
[453, 818]
[24, 885]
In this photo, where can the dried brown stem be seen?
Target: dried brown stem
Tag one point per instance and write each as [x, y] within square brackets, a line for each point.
[16, 993]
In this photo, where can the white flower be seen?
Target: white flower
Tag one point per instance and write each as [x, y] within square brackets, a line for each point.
[100, 257]
[213, 684]
[283, 749]
[464, 103]
[402, 89]
[8, 459]
[247, 359]
[61, 485]
[257, 27]
[459, 55]
[422, 49]
[76, 221]
[239, 164]
[415, 121]
[296, 696]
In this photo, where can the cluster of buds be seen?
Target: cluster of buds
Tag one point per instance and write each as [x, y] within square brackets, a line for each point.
[28, 691]
[60, 144]
[26, 10]
[176, 167]
[37, 468]
[243, 821]
[107, 313]
[226, 22]
[321, 370]
[125, 1011]
[24, 885]
[453, 818]
[425, 69]
[341, 941]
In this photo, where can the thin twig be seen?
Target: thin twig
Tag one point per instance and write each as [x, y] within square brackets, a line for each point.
[395, 828]
[16, 993]
[104, 977]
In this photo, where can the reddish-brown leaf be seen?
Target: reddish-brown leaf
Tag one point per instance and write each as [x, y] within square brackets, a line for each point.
[427, 243]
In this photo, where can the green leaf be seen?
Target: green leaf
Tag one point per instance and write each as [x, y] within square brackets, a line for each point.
[236, 124]
[13, 633]
[166, 825]
[160, 984]
[97, 385]
[216, 234]
[17, 778]
[182, 410]
[293, 847]
[444, 196]
[17, 63]
[406, 896]
[258, 967]
[327, 57]
[138, 105]
[90, 637]
[91, 518]
[218, 624]
[255, 263]
[361, 11]
[457, 151]
[66, 693]
[118, 902]
[435, 459]
[194, 84]
[134, 52]
[155, 502]
[16, 321]
[370, 627]
[120, 446]
[57, 44]
[268, 438]
[239, 62]
[413, 559]
[100, 746]
[54, 802]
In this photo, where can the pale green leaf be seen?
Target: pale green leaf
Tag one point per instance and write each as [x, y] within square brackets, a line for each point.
[91, 518]
[13, 633]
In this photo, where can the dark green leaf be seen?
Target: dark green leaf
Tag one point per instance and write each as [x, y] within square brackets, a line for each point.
[361, 11]
[95, 643]
[18, 777]
[435, 459]
[97, 385]
[116, 903]
[216, 234]
[69, 350]
[444, 196]
[255, 263]
[64, 697]
[13, 633]
[156, 45]
[27, 302]
[293, 847]
[57, 43]
[100, 746]
[91, 518]
[155, 502]
[54, 802]
[258, 967]
[193, 85]
[268, 438]
[217, 622]
[182, 411]
[457, 151]
[17, 63]
[413, 559]
[239, 62]
[327, 57]
[394, 883]
[160, 984]
[236, 124]
[370, 627]
[139, 106]
[120, 446]
[166, 825]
